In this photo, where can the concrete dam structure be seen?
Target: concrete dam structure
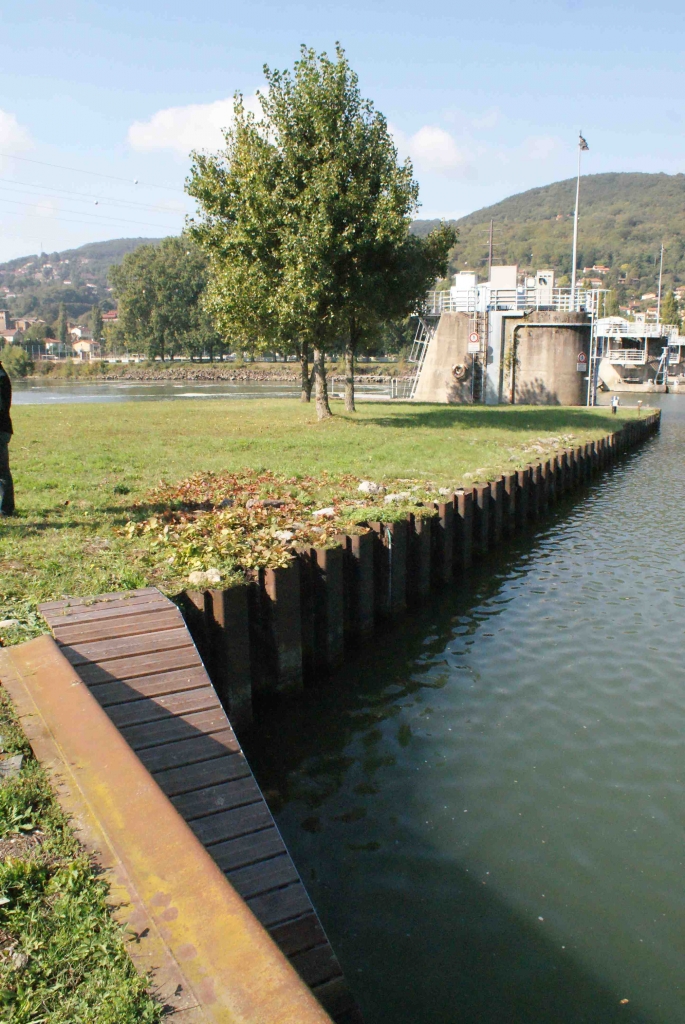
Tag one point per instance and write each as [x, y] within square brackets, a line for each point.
[531, 359]
[503, 341]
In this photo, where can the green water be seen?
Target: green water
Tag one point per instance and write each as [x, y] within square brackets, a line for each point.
[487, 804]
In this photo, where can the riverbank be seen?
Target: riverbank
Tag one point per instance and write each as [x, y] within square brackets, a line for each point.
[369, 373]
[90, 482]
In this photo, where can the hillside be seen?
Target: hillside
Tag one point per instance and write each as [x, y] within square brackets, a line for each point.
[623, 220]
[35, 285]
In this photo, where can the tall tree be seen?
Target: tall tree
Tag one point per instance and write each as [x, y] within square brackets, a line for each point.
[611, 305]
[159, 291]
[62, 326]
[306, 215]
[669, 310]
[96, 325]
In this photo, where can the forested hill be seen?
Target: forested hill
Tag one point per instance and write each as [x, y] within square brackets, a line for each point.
[35, 285]
[623, 220]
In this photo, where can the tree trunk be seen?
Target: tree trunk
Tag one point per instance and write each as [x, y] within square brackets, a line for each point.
[323, 409]
[306, 395]
[349, 378]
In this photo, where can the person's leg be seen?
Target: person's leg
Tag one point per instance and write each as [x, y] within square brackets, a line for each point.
[6, 483]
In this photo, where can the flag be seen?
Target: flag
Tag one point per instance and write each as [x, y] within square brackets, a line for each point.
[582, 143]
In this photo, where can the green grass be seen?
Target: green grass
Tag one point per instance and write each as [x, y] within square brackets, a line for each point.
[62, 957]
[80, 469]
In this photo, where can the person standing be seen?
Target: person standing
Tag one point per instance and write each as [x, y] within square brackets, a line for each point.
[6, 483]
[615, 402]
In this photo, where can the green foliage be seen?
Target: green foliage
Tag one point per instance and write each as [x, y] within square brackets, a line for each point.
[669, 310]
[62, 326]
[623, 220]
[38, 332]
[85, 269]
[305, 217]
[611, 305]
[96, 327]
[159, 289]
[16, 361]
[64, 960]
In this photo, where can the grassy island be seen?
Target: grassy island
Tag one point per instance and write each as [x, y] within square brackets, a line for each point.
[120, 496]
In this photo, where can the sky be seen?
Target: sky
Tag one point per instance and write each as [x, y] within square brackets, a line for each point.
[101, 103]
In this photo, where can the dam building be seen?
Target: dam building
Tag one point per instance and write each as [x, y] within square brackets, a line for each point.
[507, 340]
[639, 355]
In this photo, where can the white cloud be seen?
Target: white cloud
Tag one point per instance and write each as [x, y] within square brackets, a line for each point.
[541, 147]
[14, 138]
[433, 151]
[195, 126]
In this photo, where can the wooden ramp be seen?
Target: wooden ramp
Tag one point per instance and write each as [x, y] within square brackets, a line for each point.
[137, 658]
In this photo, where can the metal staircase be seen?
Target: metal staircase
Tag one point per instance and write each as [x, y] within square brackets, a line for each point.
[661, 376]
[425, 332]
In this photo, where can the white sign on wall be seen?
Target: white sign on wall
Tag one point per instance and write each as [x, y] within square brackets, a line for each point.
[473, 347]
[581, 364]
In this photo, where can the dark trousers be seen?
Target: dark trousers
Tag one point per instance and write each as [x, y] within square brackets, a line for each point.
[6, 483]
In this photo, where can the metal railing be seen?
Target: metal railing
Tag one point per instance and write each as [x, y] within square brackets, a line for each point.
[626, 355]
[639, 329]
[484, 299]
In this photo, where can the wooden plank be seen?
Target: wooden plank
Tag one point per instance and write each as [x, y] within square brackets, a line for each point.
[263, 877]
[106, 650]
[165, 730]
[317, 965]
[175, 781]
[120, 692]
[280, 904]
[109, 629]
[301, 934]
[189, 751]
[138, 712]
[118, 595]
[337, 1001]
[238, 788]
[115, 610]
[139, 665]
[136, 654]
[217, 828]
[238, 853]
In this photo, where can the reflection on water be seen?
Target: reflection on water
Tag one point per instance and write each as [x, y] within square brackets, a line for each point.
[487, 804]
[34, 393]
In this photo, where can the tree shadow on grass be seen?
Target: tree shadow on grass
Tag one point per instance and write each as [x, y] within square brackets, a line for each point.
[514, 418]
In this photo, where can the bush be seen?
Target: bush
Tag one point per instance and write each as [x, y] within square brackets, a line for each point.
[15, 361]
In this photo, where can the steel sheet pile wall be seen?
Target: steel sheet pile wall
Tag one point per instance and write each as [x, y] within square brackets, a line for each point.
[295, 624]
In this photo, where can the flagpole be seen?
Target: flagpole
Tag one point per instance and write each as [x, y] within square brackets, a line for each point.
[575, 231]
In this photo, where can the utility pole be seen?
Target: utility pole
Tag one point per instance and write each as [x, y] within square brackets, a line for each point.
[582, 145]
[490, 253]
[661, 274]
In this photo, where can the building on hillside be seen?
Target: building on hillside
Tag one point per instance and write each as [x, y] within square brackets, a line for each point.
[24, 322]
[111, 317]
[86, 348]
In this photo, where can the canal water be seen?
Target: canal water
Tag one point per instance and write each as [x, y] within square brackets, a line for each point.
[487, 804]
[30, 392]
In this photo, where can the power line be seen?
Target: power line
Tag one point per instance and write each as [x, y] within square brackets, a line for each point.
[119, 220]
[96, 174]
[85, 195]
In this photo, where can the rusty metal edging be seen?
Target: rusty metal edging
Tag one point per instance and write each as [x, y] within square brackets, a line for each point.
[212, 961]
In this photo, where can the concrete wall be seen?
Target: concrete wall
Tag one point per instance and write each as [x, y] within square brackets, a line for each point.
[541, 359]
[447, 349]
[545, 368]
